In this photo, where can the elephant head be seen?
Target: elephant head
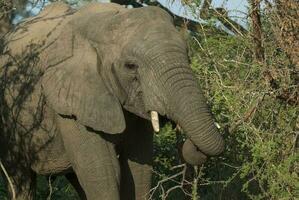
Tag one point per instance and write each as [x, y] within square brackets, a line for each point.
[132, 59]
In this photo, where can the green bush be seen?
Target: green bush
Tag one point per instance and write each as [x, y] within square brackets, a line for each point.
[260, 128]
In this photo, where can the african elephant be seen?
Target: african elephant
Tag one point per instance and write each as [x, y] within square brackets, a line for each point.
[79, 89]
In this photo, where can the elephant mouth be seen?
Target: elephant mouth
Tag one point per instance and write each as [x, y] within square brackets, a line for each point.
[190, 152]
[158, 120]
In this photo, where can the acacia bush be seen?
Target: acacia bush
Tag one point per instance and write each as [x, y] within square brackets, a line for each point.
[260, 130]
[260, 127]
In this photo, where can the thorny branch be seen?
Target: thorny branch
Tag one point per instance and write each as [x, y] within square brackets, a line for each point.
[50, 187]
[13, 192]
[179, 184]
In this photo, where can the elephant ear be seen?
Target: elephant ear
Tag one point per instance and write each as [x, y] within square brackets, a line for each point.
[74, 86]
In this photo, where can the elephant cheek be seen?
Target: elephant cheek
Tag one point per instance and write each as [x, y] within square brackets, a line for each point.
[192, 155]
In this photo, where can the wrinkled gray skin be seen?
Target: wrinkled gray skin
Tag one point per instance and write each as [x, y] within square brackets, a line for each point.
[77, 88]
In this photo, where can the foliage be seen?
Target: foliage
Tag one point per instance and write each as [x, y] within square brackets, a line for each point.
[58, 188]
[260, 130]
[61, 189]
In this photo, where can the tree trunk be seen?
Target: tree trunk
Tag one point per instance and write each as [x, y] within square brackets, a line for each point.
[287, 28]
[6, 8]
[284, 16]
[257, 36]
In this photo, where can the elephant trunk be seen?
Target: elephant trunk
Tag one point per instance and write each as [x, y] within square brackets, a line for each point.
[177, 88]
[196, 121]
[188, 108]
[185, 103]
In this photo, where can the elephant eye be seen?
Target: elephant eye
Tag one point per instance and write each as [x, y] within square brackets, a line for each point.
[131, 66]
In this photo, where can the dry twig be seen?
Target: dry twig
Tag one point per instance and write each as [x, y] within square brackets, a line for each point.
[13, 192]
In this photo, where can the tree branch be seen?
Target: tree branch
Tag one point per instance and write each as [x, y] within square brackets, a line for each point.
[13, 192]
[192, 25]
[6, 8]
[207, 12]
[257, 30]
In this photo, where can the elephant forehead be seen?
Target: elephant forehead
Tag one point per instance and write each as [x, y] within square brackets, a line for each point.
[145, 14]
[152, 13]
[133, 24]
[93, 7]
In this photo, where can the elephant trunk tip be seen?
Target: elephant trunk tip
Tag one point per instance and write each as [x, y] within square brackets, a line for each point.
[192, 155]
[195, 153]
[202, 144]
[212, 145]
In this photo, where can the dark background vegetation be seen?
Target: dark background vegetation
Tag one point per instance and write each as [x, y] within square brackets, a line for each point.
[250, 78]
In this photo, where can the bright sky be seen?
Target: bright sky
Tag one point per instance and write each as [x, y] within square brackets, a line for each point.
[237, 8]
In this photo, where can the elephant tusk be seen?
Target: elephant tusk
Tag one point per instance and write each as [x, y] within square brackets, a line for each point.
[179, 128]
[217, 125]
[155, 121]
